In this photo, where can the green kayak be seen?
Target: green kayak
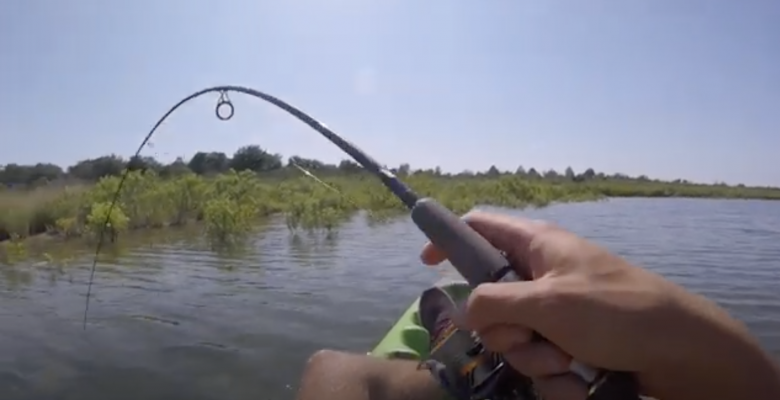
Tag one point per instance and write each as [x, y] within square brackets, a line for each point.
[408, 339]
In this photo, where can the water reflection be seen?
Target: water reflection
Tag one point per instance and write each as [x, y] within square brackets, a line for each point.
[308, 249]
[14, 277]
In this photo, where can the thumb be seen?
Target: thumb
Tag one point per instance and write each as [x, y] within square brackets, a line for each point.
[515, 303]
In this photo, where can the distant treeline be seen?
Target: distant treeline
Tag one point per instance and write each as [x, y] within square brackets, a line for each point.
[256, 159]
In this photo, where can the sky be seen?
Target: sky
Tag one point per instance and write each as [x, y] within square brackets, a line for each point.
[669, 89]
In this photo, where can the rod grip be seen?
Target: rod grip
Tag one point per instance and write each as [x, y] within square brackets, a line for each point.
[470, 253]
[479, 262]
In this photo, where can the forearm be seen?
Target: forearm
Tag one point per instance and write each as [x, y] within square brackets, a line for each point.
[727, 363]
[333, 375]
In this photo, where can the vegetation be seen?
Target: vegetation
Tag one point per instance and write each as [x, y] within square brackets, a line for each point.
[229, 194]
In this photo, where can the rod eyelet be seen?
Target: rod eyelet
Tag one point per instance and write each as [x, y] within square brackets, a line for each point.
[231, 110]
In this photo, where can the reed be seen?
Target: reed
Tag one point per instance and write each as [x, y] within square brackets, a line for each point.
[230, 204]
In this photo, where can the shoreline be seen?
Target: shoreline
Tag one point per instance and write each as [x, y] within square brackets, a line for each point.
[42, 239]
[229, 204]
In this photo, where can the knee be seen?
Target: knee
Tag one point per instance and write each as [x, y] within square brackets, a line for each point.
[330, 366]
[324, 359]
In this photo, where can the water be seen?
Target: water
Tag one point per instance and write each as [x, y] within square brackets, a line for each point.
[176, 321]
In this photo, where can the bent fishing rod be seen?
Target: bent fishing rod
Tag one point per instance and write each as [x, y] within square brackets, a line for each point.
[470, 253]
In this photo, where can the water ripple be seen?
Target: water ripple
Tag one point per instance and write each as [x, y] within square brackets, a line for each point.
[176, 320]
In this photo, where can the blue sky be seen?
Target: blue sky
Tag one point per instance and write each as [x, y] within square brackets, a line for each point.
[670, 89]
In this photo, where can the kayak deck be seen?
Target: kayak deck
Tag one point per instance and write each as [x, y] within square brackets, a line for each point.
[407, 338]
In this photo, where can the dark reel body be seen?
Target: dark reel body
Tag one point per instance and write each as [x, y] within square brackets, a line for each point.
[459, 362]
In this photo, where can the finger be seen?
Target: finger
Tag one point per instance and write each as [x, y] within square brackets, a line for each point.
[561, 387]
[503, 338]
[538, 359]
[431, 255]
[517, 303]
[512, 235]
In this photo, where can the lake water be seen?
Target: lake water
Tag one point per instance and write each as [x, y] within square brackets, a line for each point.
[177, 321]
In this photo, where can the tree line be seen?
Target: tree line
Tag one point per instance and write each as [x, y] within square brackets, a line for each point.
[252, 158]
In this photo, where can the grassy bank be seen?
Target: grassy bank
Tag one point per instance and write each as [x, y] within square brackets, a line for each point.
[229, 204]
[74, 203]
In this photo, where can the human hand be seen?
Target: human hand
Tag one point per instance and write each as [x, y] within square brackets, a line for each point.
[598, 308]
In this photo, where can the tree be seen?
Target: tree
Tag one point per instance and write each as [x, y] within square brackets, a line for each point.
[208, 163]
[15, 174]
[404, 169]
[306, 163]
[96, 168]
[143, 163]
[589, 174]
[569, 173]
[255, 159]
[551, 174]
[176, 168]
[349, 166]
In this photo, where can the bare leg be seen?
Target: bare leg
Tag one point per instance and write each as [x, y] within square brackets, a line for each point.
[332, 375]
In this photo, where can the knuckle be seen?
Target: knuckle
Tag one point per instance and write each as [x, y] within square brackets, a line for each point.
[467, 217]
[503, 339]
[481, 296]
[479, 306]
[549, 296]
[539, 359]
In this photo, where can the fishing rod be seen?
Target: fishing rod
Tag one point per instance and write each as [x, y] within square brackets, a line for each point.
[470, 253]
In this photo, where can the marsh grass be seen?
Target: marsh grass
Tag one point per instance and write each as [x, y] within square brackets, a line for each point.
[48, 251]
[230, 205]
[31, 212]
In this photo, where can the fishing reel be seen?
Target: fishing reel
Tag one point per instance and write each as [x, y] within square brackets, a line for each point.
[467, 371]
[460, 363]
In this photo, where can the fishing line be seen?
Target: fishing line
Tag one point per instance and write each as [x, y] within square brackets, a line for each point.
[327, 185]
[388, 179]
[440, 271]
